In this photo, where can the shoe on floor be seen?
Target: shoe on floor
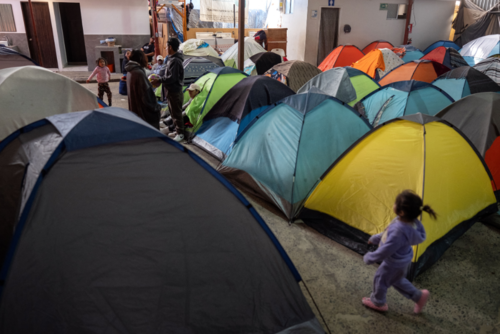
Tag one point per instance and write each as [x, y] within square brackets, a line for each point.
[172, 134]
[368, 303]
[179, 138]
[421, 303]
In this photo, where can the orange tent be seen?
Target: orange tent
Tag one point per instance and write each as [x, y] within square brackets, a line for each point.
[343, 55]
[369, 63]
[377, 45]
[420, 70]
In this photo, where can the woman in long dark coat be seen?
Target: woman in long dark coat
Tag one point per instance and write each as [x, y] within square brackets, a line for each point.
[141, 97]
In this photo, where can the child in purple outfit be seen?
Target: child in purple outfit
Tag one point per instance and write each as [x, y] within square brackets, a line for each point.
[396, 253]
[103, 76]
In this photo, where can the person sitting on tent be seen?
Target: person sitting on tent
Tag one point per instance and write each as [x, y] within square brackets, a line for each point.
[193, 90]
[141, 97]
[261, 38]
[396, 252]
[160, 66]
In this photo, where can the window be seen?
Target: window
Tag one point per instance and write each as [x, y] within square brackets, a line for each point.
[289, 7]
[7, 23]
[396, 11]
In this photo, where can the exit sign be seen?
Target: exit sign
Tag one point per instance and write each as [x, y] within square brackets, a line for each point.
[383, 6]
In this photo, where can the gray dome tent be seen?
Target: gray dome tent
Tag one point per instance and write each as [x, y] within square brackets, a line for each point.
[103, 245]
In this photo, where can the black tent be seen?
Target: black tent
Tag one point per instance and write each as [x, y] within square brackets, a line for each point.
[478, 117]
[265, 60]
[105, 245]
[235, 110]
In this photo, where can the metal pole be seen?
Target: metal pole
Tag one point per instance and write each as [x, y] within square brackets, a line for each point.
[155, 29]
[241, 33]
[408, 18]
[184, 22]
[35, 35]
[234, 16]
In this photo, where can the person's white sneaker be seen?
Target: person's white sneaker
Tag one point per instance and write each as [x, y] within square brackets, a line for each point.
[179, 138]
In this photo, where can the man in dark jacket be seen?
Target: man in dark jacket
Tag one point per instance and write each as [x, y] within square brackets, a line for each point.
[141, 97]
[172, 82]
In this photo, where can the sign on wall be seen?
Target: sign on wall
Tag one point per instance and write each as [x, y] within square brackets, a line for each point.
[220, 11]
[383, 6]
[331, 2]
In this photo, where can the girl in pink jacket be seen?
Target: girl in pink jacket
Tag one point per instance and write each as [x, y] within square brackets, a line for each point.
[103, 76]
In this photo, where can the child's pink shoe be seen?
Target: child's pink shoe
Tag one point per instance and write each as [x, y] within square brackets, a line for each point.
[368, 303]
[422, 301]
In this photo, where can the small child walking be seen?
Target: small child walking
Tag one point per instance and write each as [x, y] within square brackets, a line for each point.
[396, 253]
[103, 76]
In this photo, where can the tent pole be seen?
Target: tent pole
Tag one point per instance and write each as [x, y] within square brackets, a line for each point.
[241, 33]
[35, 35]
[155, 29]
[408, 19]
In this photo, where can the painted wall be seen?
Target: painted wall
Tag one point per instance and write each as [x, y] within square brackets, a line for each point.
[431, 22]
[99, 17]
[296, 34]
[367, 22]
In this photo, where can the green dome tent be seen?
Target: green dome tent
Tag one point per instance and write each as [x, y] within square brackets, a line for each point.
[213, 85]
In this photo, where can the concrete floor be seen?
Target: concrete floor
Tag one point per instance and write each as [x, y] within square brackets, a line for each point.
[464, 283]
[118, 100]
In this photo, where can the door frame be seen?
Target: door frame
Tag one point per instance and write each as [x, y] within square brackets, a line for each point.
[61, 35]
[54, 59]
[336, 40]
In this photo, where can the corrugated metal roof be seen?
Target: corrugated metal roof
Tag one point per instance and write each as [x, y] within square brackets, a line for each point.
[485, 4]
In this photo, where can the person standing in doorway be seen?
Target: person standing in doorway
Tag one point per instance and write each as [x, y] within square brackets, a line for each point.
[141, 97]
[172, 82]
[149, 49]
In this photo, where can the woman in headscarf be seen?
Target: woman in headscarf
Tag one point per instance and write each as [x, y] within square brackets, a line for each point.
[141, 97]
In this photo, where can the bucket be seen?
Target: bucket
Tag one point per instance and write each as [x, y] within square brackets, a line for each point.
[111, 68]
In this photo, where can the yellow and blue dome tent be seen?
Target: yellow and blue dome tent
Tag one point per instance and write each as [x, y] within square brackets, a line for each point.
[281, 154]
[355, 197]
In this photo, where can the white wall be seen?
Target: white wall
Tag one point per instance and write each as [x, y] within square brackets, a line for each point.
[367, 22]
[296, 33]
[122, 17]
[431, 21]
[109, 17]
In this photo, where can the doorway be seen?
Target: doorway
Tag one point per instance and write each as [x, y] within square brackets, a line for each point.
[44, 32]
[72, 28]
[328, 32]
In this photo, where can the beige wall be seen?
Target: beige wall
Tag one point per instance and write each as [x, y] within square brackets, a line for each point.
[296, 24]
[367, 22]
[431, 21]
